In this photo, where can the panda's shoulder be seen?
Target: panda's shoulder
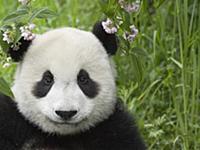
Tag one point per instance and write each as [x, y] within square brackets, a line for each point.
[121, 120]
[118, 131]
[11, 120]
[7, 107]
[12, 125]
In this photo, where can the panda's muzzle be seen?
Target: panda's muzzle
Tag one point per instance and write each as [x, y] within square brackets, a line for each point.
[66, 115]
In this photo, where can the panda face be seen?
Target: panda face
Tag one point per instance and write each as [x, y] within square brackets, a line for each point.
[65, 82]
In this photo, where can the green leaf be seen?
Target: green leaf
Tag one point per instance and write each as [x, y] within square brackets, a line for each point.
[139, 51]
[3, 44]
[18, 36]
[5, 89]
[5, 27]
[10, 18]
[17, 16]
[137, 67]
[42, 13]
[22, 11]
[24, 7]
[47, 14]
[177, 62]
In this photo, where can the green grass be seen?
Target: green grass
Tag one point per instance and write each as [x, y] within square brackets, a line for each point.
[166, 103]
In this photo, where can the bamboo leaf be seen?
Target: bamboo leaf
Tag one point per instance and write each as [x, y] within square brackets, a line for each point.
[3, 44]
[16, 16]
[138, 68]
[176, 62]
[42, 13]
[46, 14]
[5, 89]
[140, 52]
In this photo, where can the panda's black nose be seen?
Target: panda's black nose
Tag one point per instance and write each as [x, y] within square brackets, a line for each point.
[66, 115]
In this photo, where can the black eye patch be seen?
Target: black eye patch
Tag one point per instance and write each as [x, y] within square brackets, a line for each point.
[42, 87]
[89, 87]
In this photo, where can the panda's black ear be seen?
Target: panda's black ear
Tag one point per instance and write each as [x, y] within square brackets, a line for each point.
[109, 41]
[17, 55]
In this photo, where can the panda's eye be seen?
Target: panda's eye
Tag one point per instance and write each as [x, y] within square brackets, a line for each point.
[83, 78]
[47, 78]
[88, 86]
[42, 87]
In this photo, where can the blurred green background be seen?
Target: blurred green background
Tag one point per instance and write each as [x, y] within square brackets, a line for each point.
[166, 103]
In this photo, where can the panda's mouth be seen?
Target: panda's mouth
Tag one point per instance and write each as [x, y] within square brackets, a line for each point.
[67, 122]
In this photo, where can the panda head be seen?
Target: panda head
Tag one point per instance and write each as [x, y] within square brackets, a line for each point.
[65, 81]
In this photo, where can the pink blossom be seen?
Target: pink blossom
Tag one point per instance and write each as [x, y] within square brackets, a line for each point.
[26, 32]
[24, 2]
[134, 7]
[31, 26]
[130, 36]
[109, 27]
[130, 8]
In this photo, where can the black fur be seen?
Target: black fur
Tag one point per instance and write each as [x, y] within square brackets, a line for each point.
[109, 41]
[42, 87]
[13, 127]
[89, 87]
[17, 55]
[118, 132]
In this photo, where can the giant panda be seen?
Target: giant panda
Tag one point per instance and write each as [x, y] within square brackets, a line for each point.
[65, 95]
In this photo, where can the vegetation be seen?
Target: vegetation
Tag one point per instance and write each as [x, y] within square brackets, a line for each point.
[158, 73]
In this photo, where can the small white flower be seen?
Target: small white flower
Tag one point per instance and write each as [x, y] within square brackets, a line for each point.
[28, 35]
[134, 7]
[120, 20]
[130, 36]
[130, 8]
[22, 29]
[31, 37]
[122, 3]
[24, 2]
[26, 32]
[8, 59]
[6, 65]
[31, 26]
[7, 37]
[13, 27]
[109, 27]
[15, 47]
[134, 30]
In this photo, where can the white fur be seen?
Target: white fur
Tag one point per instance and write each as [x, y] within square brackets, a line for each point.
[64, 52]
